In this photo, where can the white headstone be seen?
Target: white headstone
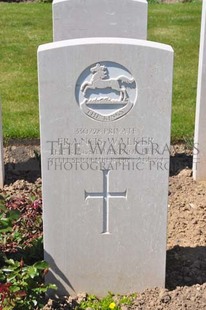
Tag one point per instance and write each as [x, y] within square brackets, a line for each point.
[99, 18]
[105, 111]
[1, 152]
[199, 154]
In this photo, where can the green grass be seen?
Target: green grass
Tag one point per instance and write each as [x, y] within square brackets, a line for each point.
[179, 25]
[25, 26]
[22, 28]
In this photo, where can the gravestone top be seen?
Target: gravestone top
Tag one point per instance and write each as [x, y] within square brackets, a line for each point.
[104, 41]
[105, 114]
[105, 18]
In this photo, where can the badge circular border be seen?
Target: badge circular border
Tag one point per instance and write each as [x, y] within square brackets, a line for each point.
[112, 68]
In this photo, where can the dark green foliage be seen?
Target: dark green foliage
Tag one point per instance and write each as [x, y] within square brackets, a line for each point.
[21, 272]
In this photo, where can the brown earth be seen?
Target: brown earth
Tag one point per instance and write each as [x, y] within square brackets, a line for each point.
[186, 245]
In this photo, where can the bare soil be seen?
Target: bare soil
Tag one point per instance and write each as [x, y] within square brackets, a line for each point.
[186, 244]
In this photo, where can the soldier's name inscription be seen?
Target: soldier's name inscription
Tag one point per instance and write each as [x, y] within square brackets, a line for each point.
[114, 146]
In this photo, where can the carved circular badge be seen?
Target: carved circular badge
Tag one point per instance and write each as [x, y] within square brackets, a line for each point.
[106, 91]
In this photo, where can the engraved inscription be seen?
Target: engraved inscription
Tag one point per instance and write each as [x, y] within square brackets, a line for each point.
[107, 153]
[106, 91]
[106, 195]
[106, 131]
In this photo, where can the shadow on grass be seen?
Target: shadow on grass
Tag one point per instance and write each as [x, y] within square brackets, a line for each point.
[185, 266]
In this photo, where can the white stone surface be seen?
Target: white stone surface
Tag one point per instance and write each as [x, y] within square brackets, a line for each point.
[104, 18]
[105, 162]
[199, 154]
[1, 151]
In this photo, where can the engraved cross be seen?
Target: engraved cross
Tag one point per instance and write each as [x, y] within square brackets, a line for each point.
[105, 195]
